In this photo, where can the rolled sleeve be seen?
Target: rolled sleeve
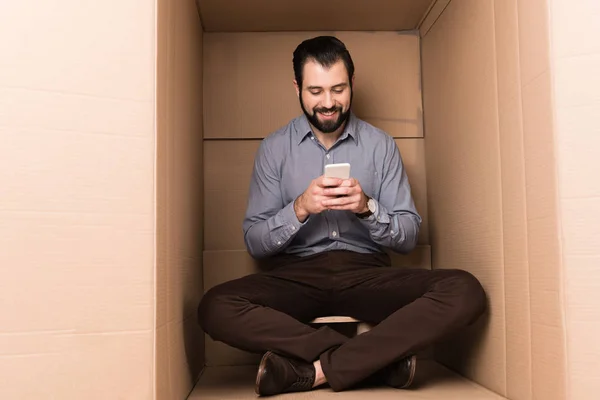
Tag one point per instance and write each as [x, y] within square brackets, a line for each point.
[395, 223]
[284, 226]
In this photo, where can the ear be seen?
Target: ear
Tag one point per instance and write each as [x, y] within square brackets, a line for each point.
[297, 88]
[353, 76]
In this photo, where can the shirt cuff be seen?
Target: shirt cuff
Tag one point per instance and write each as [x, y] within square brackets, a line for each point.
[379, 216]
[288, 220]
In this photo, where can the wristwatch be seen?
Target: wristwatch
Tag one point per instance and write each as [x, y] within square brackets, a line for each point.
[371, 209]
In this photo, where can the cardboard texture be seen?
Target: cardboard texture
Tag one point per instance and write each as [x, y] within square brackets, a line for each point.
[128, 130]
[575, 63]
[179, 339]
[545, 258]
[313, 15]
[435, 11]
[463, 176]
[76, 209]
[514, 211]
[523, 283]
[261, 108]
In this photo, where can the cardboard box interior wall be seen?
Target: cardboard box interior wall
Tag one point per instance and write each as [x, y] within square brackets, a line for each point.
[126, 168]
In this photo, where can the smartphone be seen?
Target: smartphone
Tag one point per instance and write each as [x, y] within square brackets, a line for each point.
[340, 170]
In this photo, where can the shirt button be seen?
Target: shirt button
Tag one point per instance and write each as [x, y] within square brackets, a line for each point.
[328, 156]
[334, 233]
[312, 138]
[293, 228]
[392, 232]
[279, 243]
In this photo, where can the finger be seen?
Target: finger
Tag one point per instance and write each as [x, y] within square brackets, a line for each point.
[324, 182]
[346, 202]
[337, 191]
[318, 191]
[330, 182]
[349, 182]
[343, 191]
[339, 201]
[352, 205]
[344, 207]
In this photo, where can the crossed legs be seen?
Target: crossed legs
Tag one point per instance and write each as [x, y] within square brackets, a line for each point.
[412, 308]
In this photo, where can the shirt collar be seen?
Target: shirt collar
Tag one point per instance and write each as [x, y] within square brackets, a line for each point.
[303, 128]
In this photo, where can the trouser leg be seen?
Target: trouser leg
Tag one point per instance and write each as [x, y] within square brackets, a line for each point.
[412, 309]
[264, 312]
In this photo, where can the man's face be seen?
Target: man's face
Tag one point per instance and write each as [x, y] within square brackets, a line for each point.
[325, 95]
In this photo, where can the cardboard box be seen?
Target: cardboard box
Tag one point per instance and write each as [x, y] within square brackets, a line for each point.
[127, 135]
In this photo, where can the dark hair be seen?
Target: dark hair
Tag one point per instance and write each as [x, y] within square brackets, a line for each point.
[325, 50]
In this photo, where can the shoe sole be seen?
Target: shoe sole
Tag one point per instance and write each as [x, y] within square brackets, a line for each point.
[261, 370]
[413, 369]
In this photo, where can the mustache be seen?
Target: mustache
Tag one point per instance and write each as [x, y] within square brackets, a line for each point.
[326, 110]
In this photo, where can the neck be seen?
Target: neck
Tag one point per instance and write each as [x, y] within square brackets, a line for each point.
[329, 139]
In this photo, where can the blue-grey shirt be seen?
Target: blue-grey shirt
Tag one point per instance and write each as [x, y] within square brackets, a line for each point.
[286, 163]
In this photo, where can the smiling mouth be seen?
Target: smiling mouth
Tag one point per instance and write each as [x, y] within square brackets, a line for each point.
[328, 113]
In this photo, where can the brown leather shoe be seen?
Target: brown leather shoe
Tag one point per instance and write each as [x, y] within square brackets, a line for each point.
[277, 374]
[402, 373]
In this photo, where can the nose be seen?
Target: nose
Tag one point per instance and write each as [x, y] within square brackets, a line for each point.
[328, 101]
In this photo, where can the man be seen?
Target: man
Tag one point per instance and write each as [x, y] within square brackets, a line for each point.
[325, 238]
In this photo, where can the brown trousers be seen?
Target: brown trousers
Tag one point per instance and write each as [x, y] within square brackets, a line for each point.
[271, 310]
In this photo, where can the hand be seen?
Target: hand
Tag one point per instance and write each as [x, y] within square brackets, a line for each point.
[354, 199]
[313, 198]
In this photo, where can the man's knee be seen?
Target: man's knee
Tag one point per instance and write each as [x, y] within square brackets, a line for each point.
[213, 310]
[469, 298]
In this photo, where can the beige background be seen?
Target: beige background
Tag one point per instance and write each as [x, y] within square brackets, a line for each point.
[492, 97]
[574, 65]
[111, 127]
[313, 15]
[77, 139]
[179, 199]
[387, 94]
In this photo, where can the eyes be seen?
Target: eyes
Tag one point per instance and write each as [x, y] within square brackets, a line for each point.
[335, 90]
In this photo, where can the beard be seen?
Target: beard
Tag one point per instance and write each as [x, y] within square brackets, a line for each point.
[327, 126]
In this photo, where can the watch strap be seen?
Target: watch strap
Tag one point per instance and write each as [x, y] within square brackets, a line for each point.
[367, 213]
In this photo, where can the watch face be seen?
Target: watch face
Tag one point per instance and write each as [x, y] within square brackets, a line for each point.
[371, 205]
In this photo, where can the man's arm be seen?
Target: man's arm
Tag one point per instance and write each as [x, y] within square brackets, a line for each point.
[395, 223]
[269, 225]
